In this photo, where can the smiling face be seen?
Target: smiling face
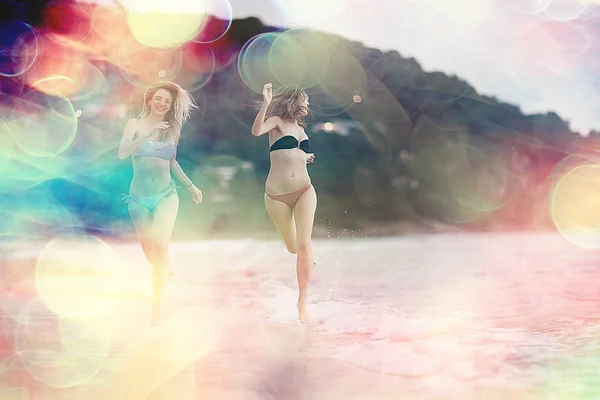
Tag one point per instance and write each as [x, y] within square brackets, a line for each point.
[160, 103]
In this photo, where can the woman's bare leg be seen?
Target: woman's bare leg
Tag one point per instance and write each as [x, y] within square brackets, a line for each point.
[283, 218]
[304, 214]
[163, 223]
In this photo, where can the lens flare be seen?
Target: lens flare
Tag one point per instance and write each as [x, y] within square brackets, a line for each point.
[39, 215]
[6, 146]
[57, 352]
[198, 67]
[109, 30]
[10, 87]
[566, 10]
[324, 105]
[67, 24]
[219, 15]
[26, 171]
[83, 81]
[459, 180]
[238, 111]
[476, 184]
[299, 57]
[181, 386]
[440, 115]
[80, 77]
[144, 66]
[253, 62]
[43, 126]
[373, 61]
[11, 267]
[79, 277]
[574, 206]
[155, 359]
[344, 75]
[160, 24]
[71, 393]
[287, 61]
[430, 132]
[19, 48]
[15, 393]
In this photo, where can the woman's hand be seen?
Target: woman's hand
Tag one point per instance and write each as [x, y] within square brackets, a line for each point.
[310, 158]
[158, 127]
[196, 194]
[267, 93]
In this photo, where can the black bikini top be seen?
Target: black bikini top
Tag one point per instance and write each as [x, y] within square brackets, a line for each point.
[290, 142]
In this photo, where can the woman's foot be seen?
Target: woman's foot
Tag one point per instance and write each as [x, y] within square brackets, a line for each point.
[303, 312]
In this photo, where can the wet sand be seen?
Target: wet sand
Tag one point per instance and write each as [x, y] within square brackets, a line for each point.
[426, 317]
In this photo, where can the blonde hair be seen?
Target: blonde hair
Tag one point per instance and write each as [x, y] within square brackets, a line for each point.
[286, 104]
[181, 107]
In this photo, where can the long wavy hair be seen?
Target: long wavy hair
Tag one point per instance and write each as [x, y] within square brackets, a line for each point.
[181, 107]
[286, 104]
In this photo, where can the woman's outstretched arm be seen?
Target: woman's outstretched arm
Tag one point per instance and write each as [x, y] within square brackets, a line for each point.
[187, 182]
[260, 126]
[179, 174]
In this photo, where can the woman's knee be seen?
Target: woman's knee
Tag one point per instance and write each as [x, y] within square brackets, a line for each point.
[161, 253]
[156, 252]
[148, 250]
[291, 248]
[303, 246]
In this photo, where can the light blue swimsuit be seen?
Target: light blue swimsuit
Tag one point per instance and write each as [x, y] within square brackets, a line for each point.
[156, 149]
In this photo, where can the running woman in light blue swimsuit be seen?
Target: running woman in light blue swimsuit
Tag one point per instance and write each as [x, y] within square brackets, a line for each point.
[151, 140]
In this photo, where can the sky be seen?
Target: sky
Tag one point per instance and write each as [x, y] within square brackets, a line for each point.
[537, 54]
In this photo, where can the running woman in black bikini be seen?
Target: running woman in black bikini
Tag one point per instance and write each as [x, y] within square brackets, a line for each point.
[151, 140]
[290, 198]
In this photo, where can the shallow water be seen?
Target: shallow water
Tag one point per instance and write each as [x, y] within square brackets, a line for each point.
[446, 316]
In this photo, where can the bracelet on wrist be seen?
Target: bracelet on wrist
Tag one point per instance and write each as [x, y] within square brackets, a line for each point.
[190, 185]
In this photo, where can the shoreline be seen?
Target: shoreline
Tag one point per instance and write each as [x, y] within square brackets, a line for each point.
[16, 244]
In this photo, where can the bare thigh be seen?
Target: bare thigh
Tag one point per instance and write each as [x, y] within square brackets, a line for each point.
[142, 221]
[163, 222]
[304, 214]
[283, 218]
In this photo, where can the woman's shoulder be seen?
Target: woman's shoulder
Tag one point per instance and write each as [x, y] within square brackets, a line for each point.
[303, 135]
[275, 118]
[132, 123]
